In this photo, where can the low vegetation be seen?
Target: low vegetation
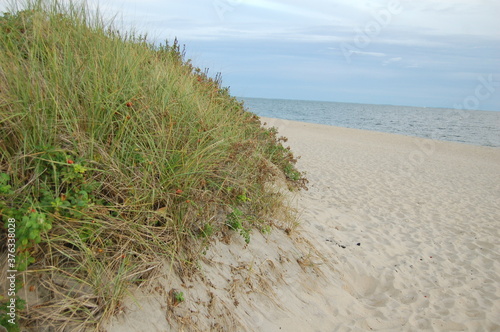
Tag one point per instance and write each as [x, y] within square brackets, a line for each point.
[117, 155]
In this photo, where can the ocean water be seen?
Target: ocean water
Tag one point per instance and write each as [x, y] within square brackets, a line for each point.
[463, 126]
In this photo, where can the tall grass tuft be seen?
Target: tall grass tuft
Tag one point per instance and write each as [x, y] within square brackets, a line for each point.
[117, 155]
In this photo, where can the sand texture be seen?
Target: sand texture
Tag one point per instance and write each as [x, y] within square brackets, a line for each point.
[419, 220]
[396, 234]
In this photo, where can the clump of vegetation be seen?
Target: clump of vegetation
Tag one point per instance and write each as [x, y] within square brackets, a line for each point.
[116, 154]
[235, 222]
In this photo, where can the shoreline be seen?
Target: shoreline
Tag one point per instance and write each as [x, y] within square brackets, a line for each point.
[265, 119]
[358, 103]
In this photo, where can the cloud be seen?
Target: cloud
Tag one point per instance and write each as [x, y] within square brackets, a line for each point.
[376, 54]
[391, 60]
[304, 12]
[259, 40]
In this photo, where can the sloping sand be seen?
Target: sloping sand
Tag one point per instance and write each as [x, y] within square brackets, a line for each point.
[397, 234]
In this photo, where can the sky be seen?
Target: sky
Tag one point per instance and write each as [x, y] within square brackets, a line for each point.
[432, 53]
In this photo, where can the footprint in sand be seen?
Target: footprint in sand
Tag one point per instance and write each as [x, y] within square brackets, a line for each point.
[408, 298]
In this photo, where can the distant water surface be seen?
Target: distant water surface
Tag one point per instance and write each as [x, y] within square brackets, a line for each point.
[471, 127]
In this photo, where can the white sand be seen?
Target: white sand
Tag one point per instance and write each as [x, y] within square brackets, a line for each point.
[426, 215]
[397, 234]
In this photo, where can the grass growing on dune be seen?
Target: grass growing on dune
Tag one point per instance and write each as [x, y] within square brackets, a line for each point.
[116, 154]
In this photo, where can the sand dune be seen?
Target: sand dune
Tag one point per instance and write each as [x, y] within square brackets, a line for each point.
[397, 234]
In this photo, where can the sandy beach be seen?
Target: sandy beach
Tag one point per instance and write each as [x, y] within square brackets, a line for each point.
[397, 234]
[411, 227]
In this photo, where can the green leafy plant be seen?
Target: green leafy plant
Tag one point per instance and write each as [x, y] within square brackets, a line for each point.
[29, 232]
[243, 197]
[64, 193]
[235, 221]
[4, 186]
[179, 297]
[266, 229]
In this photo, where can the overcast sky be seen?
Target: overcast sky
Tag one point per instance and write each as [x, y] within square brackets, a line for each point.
[435, 53]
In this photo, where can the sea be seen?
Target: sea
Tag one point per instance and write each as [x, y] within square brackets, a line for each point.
[462, 126]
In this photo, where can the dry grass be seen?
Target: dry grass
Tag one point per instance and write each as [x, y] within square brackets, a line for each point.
[124, 154]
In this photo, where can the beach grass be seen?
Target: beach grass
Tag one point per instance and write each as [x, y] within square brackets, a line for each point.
[117, 155]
